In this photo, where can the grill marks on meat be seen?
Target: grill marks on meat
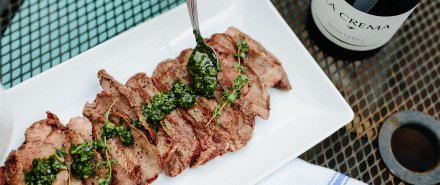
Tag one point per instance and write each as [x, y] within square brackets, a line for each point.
[128, 103]
[183, 140]
[170, 70]
[187, 147]
[136, 164]
[186, 144]
[255, 99]
[212, 141]
[215, 140]
[42, 139]
[262, 62]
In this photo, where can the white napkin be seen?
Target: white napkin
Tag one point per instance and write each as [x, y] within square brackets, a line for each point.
[299, 172]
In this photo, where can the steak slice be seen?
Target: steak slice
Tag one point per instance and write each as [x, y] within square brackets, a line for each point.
[255, 99]
[187, 147]
[2, 176]
[42, 139]
[262, 62]
[79, 130]
[128, 100]
[233, 130]
[136, 164]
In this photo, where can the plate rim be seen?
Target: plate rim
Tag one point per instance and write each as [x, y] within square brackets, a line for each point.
[348, 117]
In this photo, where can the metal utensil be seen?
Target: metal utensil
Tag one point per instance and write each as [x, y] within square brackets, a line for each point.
[192, 10]
[202, 64]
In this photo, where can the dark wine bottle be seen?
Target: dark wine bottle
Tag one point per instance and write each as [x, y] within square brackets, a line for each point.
[356, 29]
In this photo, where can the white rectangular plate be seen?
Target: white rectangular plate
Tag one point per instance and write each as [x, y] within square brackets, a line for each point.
[299, 118]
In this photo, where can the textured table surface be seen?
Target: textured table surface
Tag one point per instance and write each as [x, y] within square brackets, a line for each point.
[404, 75]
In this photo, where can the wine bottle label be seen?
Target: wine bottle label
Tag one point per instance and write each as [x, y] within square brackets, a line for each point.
[353, 29]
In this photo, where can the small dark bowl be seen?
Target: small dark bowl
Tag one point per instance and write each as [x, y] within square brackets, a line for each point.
[409, 143]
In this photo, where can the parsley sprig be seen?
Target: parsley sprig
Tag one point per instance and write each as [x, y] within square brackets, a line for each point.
[228, 97]
[107, 164]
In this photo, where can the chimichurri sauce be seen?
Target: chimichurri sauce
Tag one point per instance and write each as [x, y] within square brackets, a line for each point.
[44, 171]
[82, 166]
[203, 67]
[163, 103]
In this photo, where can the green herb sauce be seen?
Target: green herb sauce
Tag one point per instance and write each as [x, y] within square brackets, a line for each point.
[203, 68]
[137, 124]
[124, 134]
[82, 166]
[163, 103]
[44, 171]
[184, 94]
[109, 130]
[153, 115]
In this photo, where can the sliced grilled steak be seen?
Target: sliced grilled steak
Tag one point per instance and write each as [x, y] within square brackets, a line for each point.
[187, 147]
[42, 139]
[232, 124]
[136, 164]
[127, 101]
[79, 130]
[262, 62]
[255, 99]
[234, 128]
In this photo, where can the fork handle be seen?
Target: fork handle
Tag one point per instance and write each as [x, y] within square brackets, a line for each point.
[192, 10]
